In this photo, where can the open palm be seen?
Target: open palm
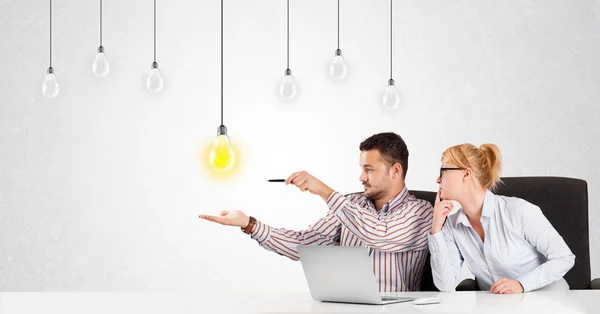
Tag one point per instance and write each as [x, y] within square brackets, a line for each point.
[229, 218]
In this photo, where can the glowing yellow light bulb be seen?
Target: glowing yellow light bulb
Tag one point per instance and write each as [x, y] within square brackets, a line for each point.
[222, 157]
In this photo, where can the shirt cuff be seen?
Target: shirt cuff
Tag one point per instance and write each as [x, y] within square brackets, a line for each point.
[261, 232]
[529, 281]
[437, 242]
[335, 202]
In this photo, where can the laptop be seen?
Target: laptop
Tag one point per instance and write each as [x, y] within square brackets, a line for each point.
[342, 274]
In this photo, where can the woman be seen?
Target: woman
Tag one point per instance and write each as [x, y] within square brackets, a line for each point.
[507, 243]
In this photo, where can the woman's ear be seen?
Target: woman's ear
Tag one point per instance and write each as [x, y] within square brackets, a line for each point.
[467, 174]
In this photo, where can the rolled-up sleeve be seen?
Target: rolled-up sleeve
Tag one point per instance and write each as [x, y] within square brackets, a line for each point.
[326, 231]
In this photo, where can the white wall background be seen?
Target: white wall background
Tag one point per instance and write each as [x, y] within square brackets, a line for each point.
[100, 188]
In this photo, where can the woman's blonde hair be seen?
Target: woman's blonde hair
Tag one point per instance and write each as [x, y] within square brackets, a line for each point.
[485, 162]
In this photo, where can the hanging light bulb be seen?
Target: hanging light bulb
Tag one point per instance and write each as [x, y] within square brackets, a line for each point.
[100, 66]
[391, 98]
[338, 68]
[222, 157]
[287, 88]
[50, 86]
[154, 81]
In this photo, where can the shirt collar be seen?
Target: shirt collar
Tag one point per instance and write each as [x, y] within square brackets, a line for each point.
[399, 199]
[486, 211]
[489, 204]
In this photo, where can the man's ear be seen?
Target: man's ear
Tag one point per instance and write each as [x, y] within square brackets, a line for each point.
[397, 170]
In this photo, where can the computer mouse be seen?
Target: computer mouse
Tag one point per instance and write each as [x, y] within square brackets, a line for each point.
[425, 301]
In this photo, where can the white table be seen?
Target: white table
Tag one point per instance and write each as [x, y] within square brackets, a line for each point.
[576, 301]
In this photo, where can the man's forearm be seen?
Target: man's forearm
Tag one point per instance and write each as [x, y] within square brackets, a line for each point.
[326, 193]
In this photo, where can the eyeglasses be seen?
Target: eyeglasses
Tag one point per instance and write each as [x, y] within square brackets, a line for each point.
[446, 169]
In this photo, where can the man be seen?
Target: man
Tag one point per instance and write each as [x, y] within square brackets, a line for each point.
[393, 224]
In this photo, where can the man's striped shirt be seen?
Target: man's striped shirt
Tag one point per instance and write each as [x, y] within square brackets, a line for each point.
[396, 235]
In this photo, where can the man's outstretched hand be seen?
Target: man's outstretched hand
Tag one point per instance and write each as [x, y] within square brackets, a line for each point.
[229, 218]
[302, 179]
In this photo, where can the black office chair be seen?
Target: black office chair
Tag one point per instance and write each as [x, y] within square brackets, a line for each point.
[564, 201]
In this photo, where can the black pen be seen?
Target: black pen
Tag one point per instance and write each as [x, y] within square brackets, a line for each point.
[276, 180]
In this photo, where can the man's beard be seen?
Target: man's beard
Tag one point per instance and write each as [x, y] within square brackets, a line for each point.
[374, 195]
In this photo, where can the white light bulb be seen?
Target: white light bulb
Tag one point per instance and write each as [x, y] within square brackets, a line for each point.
[100, 66]
[338, 68]
[391, 98]
[287, 88]
[154, 82]
[50, 86]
